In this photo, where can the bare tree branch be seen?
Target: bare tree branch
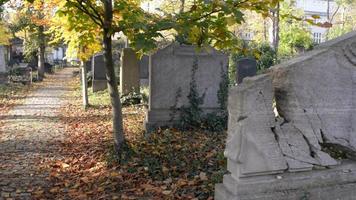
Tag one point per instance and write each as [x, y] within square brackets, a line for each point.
[80, 6]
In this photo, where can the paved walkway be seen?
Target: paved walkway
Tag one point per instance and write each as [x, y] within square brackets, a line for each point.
[26, 136]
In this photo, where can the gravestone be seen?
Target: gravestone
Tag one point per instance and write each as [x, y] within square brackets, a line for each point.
[117, 63]
[144, 65]
[129, 72]
[2, 60]
[170, 73]
[99, 73]
[88, 65]
[295, 153]
[245, 67]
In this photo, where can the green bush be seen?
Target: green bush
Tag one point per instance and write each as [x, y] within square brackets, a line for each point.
[267, 56]
[133, 98]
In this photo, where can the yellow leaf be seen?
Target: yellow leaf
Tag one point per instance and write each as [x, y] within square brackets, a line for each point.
[85, 179]
[167, 192]
[54, 190]
[115, 174]
[315, 16]
[230, 20]
[65, 165]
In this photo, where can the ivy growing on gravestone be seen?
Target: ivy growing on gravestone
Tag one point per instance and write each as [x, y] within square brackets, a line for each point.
[223, 89]
[192, 115]
[217, 121]
[174, 107]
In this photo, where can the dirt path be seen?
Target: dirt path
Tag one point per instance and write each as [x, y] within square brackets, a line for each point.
[26, 136]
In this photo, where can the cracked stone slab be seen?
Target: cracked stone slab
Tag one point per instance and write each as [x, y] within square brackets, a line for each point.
[317, 96]
[251, 145]
[315, 108]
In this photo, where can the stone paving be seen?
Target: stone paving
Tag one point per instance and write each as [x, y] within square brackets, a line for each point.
[26, 135]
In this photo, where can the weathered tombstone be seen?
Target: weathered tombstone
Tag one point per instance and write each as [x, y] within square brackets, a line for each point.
[2, 60]
[3, 75]
[129, 72]
[296, 154]
[116, 59]
[88, 65]
[245, 67]
[144, 64]
[99, 73]
[170, 73]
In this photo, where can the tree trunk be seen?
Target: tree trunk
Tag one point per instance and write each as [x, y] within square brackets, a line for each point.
[118, 131]
[265, 31]
[84, 85]
[275, 29]
[328, 20]
[41, 53]
[182, 5]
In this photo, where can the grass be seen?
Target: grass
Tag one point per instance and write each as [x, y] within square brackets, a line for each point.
[100, 98]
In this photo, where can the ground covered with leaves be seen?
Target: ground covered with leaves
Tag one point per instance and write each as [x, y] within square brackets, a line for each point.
[167, 164]
[11, 95]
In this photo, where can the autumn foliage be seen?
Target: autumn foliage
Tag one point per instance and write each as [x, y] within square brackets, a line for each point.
[168, 164]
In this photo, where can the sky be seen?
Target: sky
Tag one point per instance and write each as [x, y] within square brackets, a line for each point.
[151, 5]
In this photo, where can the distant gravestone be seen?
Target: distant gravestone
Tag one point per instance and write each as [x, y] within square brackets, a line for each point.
[129, 72]
[170, 73]
[144, 65]
[88, 65]
[2, 60]
[99, 73]
[116, 59]
[245, 67]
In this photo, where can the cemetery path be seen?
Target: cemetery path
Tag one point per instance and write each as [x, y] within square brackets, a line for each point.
[26, 135]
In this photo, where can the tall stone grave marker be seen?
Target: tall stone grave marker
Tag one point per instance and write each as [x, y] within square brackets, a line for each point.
[170, 73]
[88, 64]
[99, 73]
[129, 72]
[2, 60]
[245, 67]
[144, 65]
[117, 63]
[308, 149]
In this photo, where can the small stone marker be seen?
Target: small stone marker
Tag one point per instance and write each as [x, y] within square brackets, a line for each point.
[99, 73]
[129, 72]
[245, 67]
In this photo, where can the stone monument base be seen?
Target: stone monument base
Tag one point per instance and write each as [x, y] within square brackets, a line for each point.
[157, 118]
[99, 85]
[325, 184]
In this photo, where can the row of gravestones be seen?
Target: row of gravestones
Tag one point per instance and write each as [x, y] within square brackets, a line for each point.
[294, 155]
[127, 66]
[169, 75]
